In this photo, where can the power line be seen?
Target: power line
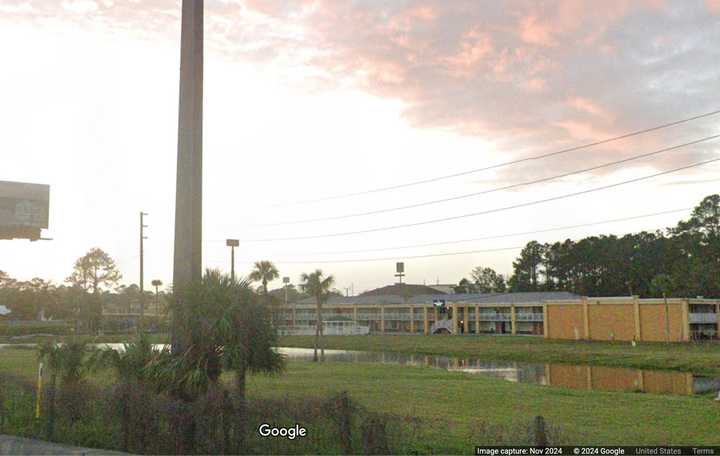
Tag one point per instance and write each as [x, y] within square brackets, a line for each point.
[500, 165]
[500, 236]
[368, 260]
[491, 211]
[496, 189]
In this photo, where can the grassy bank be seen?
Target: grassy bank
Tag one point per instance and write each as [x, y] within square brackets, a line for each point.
[451, 412]
[688, 357]
[156, 338]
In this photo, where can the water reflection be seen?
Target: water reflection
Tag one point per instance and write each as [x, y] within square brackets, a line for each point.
[596, 378]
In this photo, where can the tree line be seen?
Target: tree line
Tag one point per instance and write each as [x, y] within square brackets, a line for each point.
[686, 256]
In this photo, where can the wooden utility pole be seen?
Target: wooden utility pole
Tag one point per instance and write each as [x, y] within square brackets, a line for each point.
[187, 266]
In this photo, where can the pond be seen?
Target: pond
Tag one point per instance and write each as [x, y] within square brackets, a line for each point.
[582, 377]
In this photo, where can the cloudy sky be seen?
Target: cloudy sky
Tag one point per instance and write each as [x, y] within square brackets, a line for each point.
[308, 100]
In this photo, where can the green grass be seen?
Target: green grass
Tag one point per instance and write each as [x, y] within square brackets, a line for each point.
[453, 407]
[688, 357]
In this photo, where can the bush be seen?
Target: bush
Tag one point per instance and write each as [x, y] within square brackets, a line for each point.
[133, 417]
[25, 328]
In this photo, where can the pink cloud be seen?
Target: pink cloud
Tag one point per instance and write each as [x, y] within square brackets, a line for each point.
[536, 85]
[588, 106]
[423, 12]
[524, 73]
[534, 31]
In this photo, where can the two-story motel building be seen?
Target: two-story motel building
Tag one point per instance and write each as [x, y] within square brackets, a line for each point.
[554, 315]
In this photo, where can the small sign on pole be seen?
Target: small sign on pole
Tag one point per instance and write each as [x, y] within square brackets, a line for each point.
[400, 269]
[39, 391]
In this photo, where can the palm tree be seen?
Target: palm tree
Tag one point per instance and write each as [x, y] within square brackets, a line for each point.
[66, 361]
[265, 271]
[131, 365]
[318, 286]
[225, 327]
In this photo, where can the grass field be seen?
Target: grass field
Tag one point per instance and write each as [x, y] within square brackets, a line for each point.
[456, 411]
[687, 357]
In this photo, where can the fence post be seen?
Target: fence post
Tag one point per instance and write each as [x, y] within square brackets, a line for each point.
[374, 436]
[344, 417]
[539, 436]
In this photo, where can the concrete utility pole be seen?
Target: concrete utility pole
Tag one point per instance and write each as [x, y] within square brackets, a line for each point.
[187, 266]
[142, 268]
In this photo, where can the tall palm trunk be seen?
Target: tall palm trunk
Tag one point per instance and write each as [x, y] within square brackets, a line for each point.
[317, 331]
[320, 326]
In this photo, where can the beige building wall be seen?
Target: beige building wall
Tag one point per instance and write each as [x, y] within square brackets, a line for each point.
[653, 323]
[618, 319]
[564, 321]
[611, 321]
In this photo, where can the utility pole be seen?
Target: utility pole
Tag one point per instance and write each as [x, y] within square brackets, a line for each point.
[232, 243]
[187, 265]
[142, 268]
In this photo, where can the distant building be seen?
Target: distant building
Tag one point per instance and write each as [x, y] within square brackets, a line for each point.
[448, 288]
[553, 315]
[402, 289]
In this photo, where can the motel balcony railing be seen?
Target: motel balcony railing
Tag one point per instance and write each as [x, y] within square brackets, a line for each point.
[529, 317]
[703, 317]
[397, 316]
[487, 316]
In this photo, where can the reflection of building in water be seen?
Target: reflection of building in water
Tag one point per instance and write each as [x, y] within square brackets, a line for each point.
[619, 379]
[514, 372]
[559, 375]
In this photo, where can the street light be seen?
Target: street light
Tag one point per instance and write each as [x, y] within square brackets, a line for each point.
[157, 283]
[286, 281]
[232, 243]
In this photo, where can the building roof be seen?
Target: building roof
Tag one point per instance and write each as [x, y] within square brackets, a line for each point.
[469, 298]
[402, 290]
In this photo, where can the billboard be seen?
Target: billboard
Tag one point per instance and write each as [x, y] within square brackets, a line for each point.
[24, 210]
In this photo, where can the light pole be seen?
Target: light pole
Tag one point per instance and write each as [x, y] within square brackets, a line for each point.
[232, 243]
[286, 281]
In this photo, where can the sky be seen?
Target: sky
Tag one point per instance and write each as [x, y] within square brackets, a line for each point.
[311, 99]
